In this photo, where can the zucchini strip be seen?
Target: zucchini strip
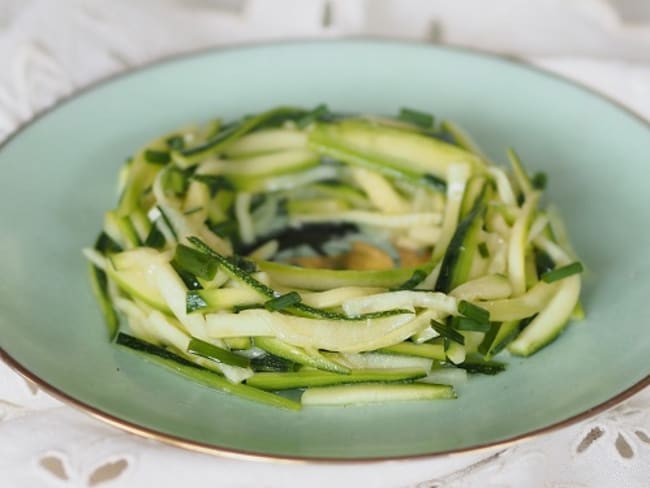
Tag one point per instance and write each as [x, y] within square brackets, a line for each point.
[227, 136]
[264, 165]
[404, 299]
[432, 351]
[457, 177]
[380, 192]
[459, 254]
[332, 335]
[99, 283]
[267, 141]
[504, 187]
[304, 379]
[517, 245]
[550, 321]
[326, 279]
[200, 375]
[488, 287]
[307, 357]
[526, 305]
[521, 177]
[336, 296]
[389, 221]
[394, 152]
[372, 393]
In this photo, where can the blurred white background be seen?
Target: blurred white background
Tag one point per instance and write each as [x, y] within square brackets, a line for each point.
[50, 48]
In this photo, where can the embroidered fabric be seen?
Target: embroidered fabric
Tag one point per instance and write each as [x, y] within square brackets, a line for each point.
[50, 49]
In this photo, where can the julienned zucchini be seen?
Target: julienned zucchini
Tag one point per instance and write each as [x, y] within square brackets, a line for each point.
[307, 357]
[360, 258]
[391, 151]
[99, 283]
[458, 259]
[304, 379]
[326, 279]
[200, 375]
[375, 393]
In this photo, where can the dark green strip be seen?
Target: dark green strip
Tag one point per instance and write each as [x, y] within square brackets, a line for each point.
[282, 302]
[168, 223]
[154, 156]
[192, 211]
[214, 182]
[155, 238]
[415, 279]
[483, 250]
[190, 280]
[151, 349]
[486, 344]
[508, 338]
[563, 272]
[468, 324]
[473, 312]
[249, 306]
[227, 229]
[312, 116]
[543, 262]
[480, 366]
[99, 284]
[246, 265]
[456, 250]
[447, 332]
[539, 181]
[434, 182]
[195, 262]
[176, 142]
[416, 117]
[106, 245]
[218, 354]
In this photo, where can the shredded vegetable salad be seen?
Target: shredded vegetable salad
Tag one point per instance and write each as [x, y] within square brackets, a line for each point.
[306, 257]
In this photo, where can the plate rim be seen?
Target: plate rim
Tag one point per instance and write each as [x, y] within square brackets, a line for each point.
[242, 454]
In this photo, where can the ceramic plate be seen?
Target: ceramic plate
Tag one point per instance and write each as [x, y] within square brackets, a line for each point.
[58, 176]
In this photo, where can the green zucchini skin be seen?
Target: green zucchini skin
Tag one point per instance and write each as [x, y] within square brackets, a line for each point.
[305, 379]
[462, 247]
[299, 356]
[394, 152]
[206, 377]
[99, 285]
[299, 309]
[325, 279]
[228, 135]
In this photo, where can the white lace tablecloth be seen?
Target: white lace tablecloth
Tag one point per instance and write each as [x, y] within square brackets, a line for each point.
[50, 49]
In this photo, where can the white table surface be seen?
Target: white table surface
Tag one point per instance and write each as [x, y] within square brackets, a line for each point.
[50, 49]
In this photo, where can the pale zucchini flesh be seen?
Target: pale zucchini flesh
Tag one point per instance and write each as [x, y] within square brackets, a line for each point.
[371, 393]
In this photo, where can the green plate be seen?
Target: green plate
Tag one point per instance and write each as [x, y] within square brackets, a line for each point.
[58, 177]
